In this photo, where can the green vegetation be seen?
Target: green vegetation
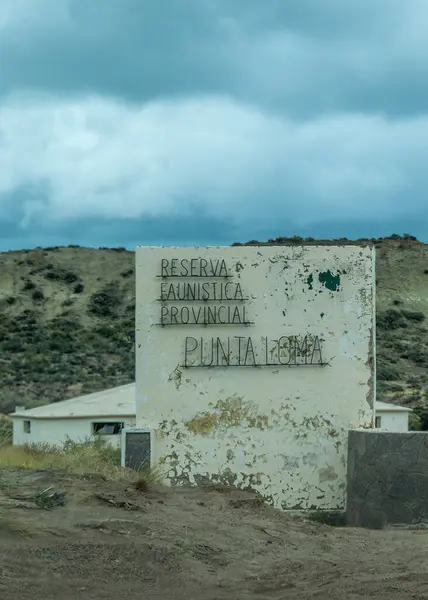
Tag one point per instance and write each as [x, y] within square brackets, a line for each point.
[65, 327]
[67, 321]
[5, 431]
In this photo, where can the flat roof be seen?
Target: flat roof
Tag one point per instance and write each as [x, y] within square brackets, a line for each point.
[384, 406]
[114, 402]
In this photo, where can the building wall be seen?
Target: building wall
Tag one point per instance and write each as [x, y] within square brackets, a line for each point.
[394, 421]
[56, 431]
[280, 429]
[387, 478]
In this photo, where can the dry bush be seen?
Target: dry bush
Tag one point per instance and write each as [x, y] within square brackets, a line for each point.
[146, 478]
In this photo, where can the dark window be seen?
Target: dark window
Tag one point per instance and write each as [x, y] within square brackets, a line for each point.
[378, 422]
[107, 428]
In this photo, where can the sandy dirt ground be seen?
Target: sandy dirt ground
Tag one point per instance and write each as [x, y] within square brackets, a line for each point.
[110, 542]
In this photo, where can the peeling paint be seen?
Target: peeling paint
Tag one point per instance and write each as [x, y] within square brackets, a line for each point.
[327, 474]
[176, 376]
[316, 422]
[230, 455]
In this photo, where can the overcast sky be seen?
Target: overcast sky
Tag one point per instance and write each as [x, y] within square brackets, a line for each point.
[126, 122]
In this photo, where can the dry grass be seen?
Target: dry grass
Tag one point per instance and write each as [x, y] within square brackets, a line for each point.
[91, 457]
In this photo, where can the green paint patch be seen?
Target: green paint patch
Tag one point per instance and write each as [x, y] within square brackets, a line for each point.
[330, 281]
[310, 281]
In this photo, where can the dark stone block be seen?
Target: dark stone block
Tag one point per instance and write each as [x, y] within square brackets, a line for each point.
[372, 517]
[387, 478]
[422, 484]
[419, 509]
[403, 487]
[385, 445]
[369, 475]
[397, 512]
[357, 442]
[413, 448]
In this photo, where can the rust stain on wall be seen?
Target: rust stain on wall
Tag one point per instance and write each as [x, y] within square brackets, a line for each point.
[230, 412]
[202, 424]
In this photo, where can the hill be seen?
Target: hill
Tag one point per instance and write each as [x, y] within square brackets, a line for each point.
[67, 321]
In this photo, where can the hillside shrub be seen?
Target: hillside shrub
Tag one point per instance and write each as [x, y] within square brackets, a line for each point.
[105, 302]
[29, 285]
[78, 289]
[5, 431]
[38, 295]
[390, 319]
[127, 273]
[415, 423]
[386, 371]
[414, 315]
[56, 274]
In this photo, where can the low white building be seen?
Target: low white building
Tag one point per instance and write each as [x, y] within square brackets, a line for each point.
[102, 414]
[107, 412]
[391, 417]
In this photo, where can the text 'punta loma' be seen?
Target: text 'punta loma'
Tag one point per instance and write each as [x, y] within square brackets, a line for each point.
[241, 351]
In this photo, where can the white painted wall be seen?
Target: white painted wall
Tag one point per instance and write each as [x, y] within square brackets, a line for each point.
[56, 431]
[281, 430]
[394, 420]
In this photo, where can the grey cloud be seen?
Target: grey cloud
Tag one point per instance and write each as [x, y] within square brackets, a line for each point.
[211, 121]
[303, 58]
[70, 158]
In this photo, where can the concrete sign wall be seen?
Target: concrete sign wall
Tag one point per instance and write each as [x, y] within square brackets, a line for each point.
[253, 363]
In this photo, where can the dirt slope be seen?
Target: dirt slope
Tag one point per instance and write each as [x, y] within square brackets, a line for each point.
[110, 542]
[67, 321]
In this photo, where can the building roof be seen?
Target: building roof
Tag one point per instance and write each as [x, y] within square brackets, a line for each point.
[384, 406]
[114, 402]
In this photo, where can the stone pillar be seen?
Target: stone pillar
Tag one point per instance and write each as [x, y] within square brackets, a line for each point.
[387, 480]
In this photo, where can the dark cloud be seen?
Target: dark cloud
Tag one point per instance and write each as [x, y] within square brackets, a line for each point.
[303, 57]
[211, 121]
